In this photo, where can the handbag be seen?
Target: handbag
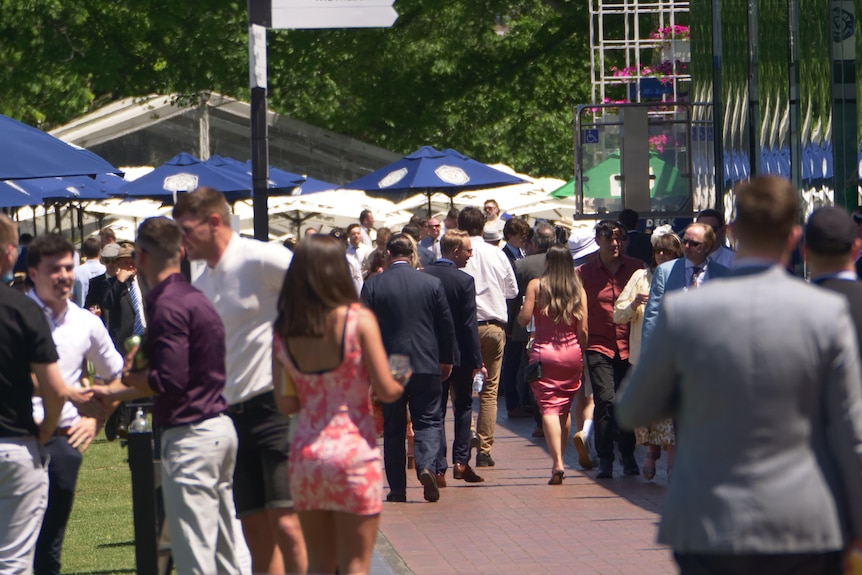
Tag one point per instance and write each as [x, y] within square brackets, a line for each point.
[533, 371]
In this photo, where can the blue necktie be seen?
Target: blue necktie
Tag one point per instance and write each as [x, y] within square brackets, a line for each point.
[138, 329]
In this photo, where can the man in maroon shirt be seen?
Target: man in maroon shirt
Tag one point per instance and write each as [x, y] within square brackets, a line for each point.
[608, 347]
[185, 344]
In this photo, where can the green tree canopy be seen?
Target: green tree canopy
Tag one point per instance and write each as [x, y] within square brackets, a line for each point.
[441, 76]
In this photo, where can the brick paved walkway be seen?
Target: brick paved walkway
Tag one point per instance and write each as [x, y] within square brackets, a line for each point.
[515, 523]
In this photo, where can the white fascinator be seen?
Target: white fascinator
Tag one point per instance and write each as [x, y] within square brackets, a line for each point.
[659, 232]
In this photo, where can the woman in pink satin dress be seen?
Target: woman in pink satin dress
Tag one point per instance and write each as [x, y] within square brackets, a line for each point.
[558, 305]
[327, 352]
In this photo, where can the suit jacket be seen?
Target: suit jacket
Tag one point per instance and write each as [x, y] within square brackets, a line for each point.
[670, 276]
[852, 290]
[760, 370]
[414, 317]
[117, 303]
[460, 291]
[640, 247]
[99, 286]
[426, 256]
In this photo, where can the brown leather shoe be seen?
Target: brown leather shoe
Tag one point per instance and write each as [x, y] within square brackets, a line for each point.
[441, 480]
[465, 472]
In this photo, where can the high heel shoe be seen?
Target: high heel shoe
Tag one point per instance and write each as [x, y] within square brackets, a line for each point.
[557, 478]
[648, 469]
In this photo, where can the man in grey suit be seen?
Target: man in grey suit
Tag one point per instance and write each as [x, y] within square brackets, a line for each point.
[686, 272]
[772, 484]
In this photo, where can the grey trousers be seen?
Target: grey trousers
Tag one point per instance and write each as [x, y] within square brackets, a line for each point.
[197, 486]
[23, 498]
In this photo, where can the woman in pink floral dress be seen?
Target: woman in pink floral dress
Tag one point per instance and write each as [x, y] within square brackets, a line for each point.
[328, 352]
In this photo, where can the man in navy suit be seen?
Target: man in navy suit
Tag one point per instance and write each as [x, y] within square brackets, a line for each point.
[831, 250]
[415, 321]
[460, 289]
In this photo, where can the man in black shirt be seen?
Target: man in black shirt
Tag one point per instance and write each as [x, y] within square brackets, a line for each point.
[25, 346]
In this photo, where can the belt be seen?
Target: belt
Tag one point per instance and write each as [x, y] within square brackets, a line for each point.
[62, 431]
[201, 420]
[493, 322]
[266, 398]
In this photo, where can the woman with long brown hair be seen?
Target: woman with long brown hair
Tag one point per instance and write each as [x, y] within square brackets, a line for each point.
[330, 349]
[558, 305]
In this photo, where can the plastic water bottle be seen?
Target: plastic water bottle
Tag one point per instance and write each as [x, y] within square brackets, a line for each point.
[140, 423]
[478, 382]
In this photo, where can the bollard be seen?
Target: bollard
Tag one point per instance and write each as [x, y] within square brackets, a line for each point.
[152, 552]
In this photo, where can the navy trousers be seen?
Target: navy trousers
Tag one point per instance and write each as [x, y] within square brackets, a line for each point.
[461, 381]
[62, 478]
[422, 397]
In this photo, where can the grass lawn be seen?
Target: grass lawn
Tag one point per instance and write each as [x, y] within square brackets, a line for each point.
[100, 535]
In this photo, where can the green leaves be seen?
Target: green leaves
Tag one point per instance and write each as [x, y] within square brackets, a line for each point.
[441, 76]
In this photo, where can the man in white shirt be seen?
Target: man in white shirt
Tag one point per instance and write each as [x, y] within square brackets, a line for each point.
[357, 252]
[720, 252]
[91, 268]
[243, 280]
[79, 336]
[366, 226]
[495, 283]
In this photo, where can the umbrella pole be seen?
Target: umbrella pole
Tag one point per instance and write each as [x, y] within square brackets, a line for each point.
[429, 205]
[81, 221]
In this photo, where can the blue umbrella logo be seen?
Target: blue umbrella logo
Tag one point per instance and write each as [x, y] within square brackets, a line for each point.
[452, 175]
[393, 178]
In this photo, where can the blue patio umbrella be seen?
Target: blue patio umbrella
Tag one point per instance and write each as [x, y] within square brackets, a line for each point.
[81, 188]
[26, 152]
[429, 170]
[281, 182]
[17, 194]
[184, 173]
[313, 185]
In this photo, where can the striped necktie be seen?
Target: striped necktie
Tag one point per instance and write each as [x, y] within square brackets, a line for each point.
[138, 329]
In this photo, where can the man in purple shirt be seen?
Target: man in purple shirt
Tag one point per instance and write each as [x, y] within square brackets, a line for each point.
[185, 345]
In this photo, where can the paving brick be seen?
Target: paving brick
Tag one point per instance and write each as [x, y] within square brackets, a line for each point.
[516, 523]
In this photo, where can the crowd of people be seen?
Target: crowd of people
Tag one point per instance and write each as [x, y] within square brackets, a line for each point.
[266, 368]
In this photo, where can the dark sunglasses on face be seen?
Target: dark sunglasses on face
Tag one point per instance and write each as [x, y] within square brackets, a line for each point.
[691, 243]
[662, 252]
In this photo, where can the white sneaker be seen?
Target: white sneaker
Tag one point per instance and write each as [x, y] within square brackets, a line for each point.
[580, 443]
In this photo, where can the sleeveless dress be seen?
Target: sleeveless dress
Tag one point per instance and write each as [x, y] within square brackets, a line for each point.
[557, 347]
[334, 461]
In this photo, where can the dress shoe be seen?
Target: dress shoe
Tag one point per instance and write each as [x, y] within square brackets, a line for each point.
[396, 497]
[630, 466]
[484, 460]
[606, 469]
[465, 472]
[441, 480]
[538, 432]
[474, 439]
[580, 443]
[429, 485]
[519, 413]
[111, 425]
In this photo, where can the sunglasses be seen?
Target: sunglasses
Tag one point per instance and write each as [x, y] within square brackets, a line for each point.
[663, 252]
[691, 243]
[857, 218]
